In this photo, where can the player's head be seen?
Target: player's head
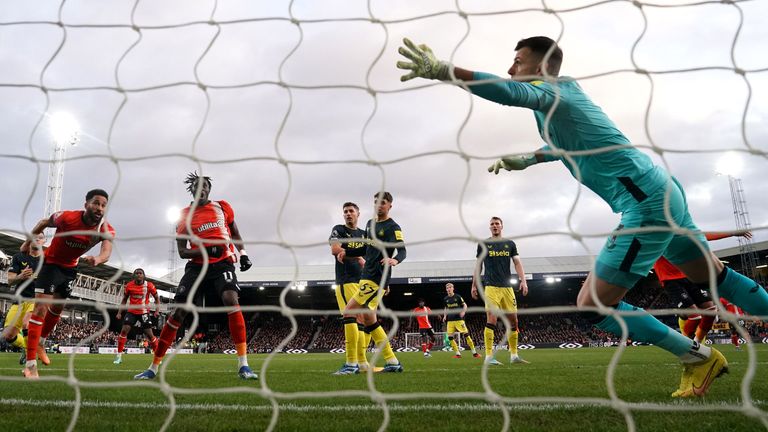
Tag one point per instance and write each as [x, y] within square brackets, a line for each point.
[193, 181]
[382, 202]
[496, 226]
[351, 213]
[529, 54]
[138, 275]
[449, 289]
[421, 302]
[95, 205]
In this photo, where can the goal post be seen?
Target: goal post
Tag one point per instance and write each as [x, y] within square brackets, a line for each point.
[413, 341]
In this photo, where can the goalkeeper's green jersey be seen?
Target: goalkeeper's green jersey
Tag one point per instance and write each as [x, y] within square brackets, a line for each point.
[622, 176]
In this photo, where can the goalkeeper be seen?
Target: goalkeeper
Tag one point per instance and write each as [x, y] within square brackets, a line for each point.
[625, 178]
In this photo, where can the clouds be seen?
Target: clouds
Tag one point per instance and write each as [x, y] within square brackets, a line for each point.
[424, 144]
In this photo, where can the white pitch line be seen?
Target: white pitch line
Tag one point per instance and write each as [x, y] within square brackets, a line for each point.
[394, 407]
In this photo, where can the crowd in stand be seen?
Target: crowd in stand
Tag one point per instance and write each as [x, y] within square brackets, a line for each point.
[266, 331]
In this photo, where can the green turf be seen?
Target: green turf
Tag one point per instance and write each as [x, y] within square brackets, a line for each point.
[111, 400]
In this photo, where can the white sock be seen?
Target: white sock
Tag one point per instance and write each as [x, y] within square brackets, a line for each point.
[393, 361]
[31, 363]
[696, 354]
[242, 360]
[153, 367]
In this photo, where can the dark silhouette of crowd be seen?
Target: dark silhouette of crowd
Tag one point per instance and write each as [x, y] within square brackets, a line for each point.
[266, 331]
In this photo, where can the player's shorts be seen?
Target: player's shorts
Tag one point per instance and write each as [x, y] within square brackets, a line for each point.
[625, 258]
[344, 293]
[54, 279]
[139, 321]
[220, 277]
[456, 326]
[500, 298]
[367, 294]
[15, 315]
[427, 332]
[685, 293]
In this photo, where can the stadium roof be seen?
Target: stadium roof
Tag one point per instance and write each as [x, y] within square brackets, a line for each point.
[438, 271]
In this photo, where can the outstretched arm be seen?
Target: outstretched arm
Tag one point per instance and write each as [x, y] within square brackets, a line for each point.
[722, 235]
[40, 226]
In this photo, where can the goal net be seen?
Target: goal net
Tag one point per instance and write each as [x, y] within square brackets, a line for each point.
[295, 107]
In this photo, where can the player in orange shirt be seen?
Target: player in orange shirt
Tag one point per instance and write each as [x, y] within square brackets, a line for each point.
[425, 327]
[137, 293]
[690, 295]
[207, 233]
[59, 268]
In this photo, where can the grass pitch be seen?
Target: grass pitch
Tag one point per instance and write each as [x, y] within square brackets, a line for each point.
[561, 390]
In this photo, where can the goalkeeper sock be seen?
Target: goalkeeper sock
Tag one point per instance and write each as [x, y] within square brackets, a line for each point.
[743, 292]
[646, 328]
[167, 337]
[362, 345]
[512, 341]
[490, 329]
[705, 325]
[454, 345]
[121, 343]
[49, 322]
[379, 337]
[34, 327]
[350, 340]
[471, 344]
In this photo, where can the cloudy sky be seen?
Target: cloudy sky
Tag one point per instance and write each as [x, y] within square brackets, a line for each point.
[295, 109]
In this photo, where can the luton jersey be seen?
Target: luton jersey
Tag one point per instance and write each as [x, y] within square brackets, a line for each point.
[498, 272]
[209, 222]
[65, 250]
[387, 231]
[666, 271]
[422, 316]
[349, 270]
[20, 262]
[454, 305]
[138, 296]
[622, 176]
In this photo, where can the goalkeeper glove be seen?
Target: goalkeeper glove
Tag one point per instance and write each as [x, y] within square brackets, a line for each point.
[423, 63]
[516, 163]
[214, 251]
[245, 263]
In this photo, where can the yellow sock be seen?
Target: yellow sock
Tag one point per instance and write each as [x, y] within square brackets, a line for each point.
[19, 342]
[471, 344]
[455, 346]
[362, 346]
[350, 340]
[681, 323]
[379, 337]
[513, 342]
[489, 333]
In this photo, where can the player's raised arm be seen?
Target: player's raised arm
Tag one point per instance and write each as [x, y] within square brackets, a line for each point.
[39, 227]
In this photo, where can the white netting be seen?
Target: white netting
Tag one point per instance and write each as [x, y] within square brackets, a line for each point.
[289, 61]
